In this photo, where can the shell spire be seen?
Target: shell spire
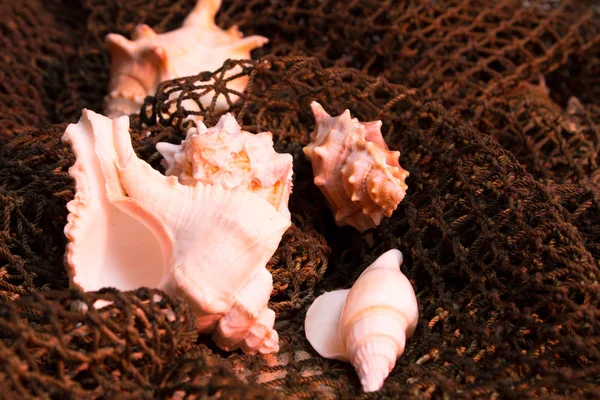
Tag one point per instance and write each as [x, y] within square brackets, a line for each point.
[360, 177]
[140, 64]
[369, 324]
[203, 14]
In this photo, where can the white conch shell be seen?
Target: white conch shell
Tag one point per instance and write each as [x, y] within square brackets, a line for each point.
[231, 157]
[368, 324]
[140, 64]
[361, 179]
[131, 226]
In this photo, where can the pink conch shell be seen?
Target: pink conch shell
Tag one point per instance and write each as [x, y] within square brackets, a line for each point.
[361, 179]
[231, 157]
[368, 324]
[140, 64]
[131, 226]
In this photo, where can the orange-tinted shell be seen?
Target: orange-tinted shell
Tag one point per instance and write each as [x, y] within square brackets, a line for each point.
[227, 155]
[360, 177]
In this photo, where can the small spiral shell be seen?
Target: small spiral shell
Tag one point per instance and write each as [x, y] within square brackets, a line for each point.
[369, 324]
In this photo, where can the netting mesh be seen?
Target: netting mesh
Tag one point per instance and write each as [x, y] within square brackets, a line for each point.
[495, 108]
[34, 48]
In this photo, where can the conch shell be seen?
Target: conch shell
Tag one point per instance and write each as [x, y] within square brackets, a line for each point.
[361, 179]
[131, 226]
[231, 157]
[140, 64]
[368, 324]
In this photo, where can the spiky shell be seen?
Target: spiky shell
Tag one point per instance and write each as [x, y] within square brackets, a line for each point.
[360, 177]
[227, 155]
[210, 244]
[140, 64]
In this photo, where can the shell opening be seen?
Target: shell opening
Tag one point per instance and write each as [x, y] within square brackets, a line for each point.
[107, 247]
[127, 257]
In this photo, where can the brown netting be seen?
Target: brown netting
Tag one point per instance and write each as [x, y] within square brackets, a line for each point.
[51, 348]
[33, 46]
[495, 108]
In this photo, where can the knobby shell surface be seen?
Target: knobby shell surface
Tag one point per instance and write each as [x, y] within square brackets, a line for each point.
[140, 64]
[361, 179]
[367, 325]
[227, 155]
[131, 226]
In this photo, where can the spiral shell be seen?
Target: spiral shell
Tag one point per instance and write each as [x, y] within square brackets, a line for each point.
[360, 177]
[367, 325]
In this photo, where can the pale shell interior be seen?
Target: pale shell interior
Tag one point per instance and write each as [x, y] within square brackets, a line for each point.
[123, 254]
[110, 248]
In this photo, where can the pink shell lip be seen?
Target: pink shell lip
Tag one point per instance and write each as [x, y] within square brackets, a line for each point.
[126, 96]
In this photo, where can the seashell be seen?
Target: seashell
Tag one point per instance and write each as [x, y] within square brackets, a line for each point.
[140, 64]
[361, 179]
[131, 226]
[368, 324]
[231, 157]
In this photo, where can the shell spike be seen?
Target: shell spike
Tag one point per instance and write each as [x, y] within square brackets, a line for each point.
[200, 128]
[168, 151]
[203, 14]
[160, 55]
[119, 46]
[228, 123]
[249, 43]
[308, 151]
[143, 31]
[373, 133]
[234, 32]
[318, 111]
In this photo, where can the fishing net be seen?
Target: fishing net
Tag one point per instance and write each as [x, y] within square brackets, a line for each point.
[495, 108]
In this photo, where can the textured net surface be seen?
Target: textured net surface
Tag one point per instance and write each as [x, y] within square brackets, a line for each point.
[131, 348]
[495, 109]
[35, 47]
